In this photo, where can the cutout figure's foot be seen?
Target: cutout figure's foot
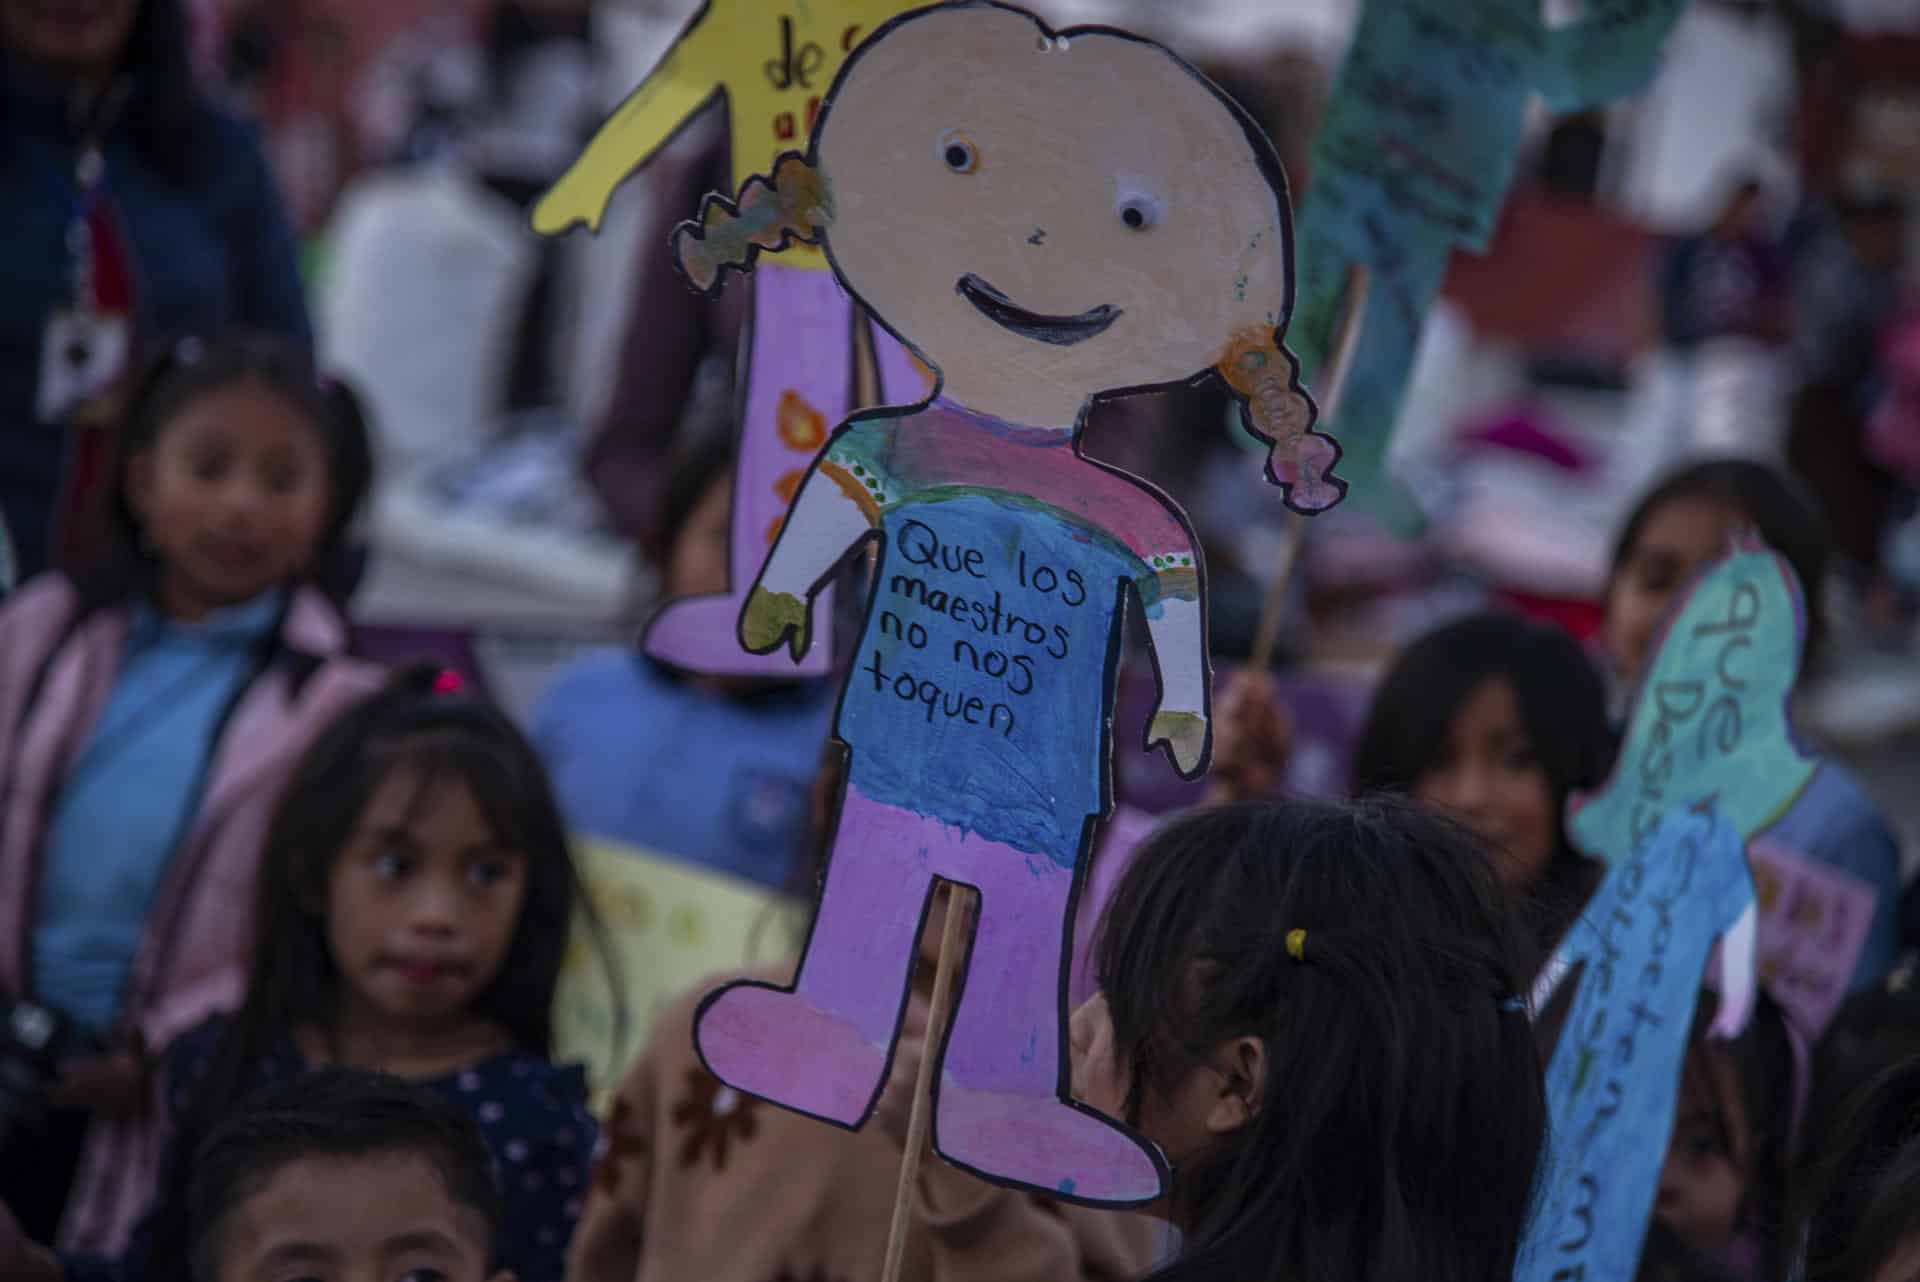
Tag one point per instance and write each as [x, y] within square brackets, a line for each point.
[777, 1046]
[702, 634]
[1047, 1146]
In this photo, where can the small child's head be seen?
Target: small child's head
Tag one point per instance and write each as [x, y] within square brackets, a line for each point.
[1860, 1211]
[1311, 1008]
[418, 866]
[687, 543]
[1498, 721]
[1722, 1189]
[344, 1176]
[239, 469]
[1682, 526]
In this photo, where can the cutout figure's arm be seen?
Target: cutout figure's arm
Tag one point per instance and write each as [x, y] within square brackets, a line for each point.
[824, 522]
[684, 81]
[1738, 986]
[1177, 631]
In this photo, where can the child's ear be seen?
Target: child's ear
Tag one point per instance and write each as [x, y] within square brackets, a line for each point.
[1240, 1093]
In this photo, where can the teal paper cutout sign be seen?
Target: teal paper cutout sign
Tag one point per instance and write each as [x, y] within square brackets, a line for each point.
[1414, 159]
[1644, 940]
[1710, 719]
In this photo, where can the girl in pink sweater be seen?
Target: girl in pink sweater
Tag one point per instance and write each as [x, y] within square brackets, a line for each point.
[149, 716]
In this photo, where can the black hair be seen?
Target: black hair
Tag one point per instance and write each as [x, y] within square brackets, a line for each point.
[1778, 509]
[185, 372]
[1749, 1078]
[1397, 1058]
[1863, 1200]
[1563, 705]
[333, 1113]
[692, 472]
[440, 734]
[1873, 1028]
[166, 113]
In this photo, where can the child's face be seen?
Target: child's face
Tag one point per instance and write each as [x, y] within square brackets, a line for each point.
[1678, 540]
[1489, 776]
[697, 564]
[1704, 1179]
[1700, 1186]
[384, 1218]
[423, 902]
[233, 495]
[1044, 223]
[1183, 1122]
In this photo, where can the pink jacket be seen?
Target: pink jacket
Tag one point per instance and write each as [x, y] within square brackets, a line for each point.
[55, 677]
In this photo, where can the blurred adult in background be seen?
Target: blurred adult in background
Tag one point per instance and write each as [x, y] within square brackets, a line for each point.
[1731, 280]
[1725, 310]
[1846, 282]
[138, 212]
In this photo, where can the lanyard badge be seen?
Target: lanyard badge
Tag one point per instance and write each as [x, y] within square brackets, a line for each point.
[88, 342]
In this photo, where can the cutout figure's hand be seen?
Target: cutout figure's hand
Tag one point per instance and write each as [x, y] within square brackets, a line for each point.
[772, 617]
[1252, 739]
[1185, 737]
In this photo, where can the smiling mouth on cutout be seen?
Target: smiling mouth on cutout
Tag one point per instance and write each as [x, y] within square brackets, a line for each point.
[1061, 331]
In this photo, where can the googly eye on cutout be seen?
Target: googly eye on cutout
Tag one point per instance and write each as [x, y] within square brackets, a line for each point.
[957, 152]
[1138, 211]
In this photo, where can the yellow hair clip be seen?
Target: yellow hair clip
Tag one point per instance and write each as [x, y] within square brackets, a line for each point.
[1297, 945]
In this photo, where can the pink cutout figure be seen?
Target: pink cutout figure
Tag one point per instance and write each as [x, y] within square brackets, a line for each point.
[1043, 219]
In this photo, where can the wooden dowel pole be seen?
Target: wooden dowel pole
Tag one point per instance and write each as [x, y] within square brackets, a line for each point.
[952, 945]
[1353, 310]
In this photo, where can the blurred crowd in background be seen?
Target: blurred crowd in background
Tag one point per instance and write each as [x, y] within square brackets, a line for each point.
[1699, 314]
[1720, 266]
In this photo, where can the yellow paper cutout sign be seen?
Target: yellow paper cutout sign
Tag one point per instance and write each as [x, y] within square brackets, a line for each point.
[771, 64]
[670, 925]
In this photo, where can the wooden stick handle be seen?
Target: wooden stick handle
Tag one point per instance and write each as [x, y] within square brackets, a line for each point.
[952, 945]
[1346, 341]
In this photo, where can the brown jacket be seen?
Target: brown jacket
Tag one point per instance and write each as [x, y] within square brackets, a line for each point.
[695, 1181]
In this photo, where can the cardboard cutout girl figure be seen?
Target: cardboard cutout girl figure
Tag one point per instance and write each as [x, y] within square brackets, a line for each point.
[771, 64]
[1044, 219]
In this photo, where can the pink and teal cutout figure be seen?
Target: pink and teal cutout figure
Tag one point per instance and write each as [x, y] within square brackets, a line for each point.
[1044, 219]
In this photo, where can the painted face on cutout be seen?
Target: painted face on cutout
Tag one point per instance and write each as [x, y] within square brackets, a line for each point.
[1488, 775]
[380, 1218]
[1045, 219]
[232, 496]
[423, 903]
[1676, 541]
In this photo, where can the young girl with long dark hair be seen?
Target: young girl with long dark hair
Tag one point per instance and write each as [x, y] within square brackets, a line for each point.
[149, 715]
[1311, 1008]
